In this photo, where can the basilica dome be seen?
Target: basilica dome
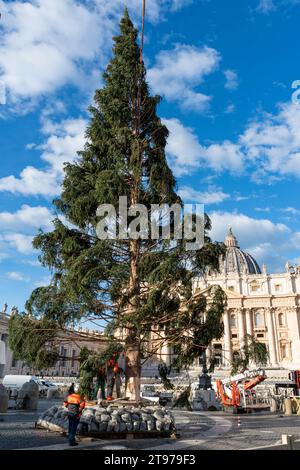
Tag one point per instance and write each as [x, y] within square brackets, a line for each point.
[237, 261]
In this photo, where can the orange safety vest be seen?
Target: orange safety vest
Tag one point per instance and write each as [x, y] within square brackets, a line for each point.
[75, 399]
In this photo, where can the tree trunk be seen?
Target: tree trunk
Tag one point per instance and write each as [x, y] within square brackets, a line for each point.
[133, 369]
[132, 343]
[133, 354]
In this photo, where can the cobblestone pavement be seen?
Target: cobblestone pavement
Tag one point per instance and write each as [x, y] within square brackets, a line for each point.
[255, 431]
[17, 429]
[224, 434]
[197, 430]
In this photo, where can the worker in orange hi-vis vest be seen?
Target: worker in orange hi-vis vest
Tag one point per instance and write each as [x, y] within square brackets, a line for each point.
[75, 405]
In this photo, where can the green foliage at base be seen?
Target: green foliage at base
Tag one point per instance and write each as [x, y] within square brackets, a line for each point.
[90, 365]
[183, 401]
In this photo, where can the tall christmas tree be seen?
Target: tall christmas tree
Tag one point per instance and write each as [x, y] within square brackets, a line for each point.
[137, 285]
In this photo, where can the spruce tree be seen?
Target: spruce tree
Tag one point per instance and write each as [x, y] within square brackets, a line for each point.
[136, 286]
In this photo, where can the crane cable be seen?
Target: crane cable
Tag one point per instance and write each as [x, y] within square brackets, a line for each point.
[143, 30]
[139, 89]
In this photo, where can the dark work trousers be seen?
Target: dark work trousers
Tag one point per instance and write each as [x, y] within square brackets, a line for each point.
[73, 424]
[110, 384]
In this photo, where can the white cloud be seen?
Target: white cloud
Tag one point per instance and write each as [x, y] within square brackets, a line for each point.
[183, 147]
[268, 242]
[32, 263]
[266, 6]
[186, 153]
[45, 281]
[263, 209]
[155, 9]
[232, 81]
[291, 210]
[19, 228]
[246, 228]
[269, 148]
[272, 142]
[31, 181]
[46, 44]
[22, 243]
[27, 217]
[178, 4]
[43, 43]
[240, 198]
[67, 137]
[178, 72]
[211, 196]
[224, 156]
[16, 276]
[230, 109]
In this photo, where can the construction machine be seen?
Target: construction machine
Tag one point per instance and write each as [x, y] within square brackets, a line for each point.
[236, 393]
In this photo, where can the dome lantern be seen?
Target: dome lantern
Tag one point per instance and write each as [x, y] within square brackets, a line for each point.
[237, 261]
[231, 240]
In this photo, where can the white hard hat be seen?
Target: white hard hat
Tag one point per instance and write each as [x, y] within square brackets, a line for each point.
[76, 388]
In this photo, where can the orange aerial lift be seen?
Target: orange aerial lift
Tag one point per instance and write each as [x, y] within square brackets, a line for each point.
[237, 386]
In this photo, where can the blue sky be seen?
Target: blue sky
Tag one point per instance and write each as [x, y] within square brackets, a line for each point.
[225, 71]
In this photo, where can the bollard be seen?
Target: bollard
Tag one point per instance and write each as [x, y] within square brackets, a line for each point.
[28, 396]
[3, 399]
[50, 394]
[273, 405]
[288, 407]
[288, 440]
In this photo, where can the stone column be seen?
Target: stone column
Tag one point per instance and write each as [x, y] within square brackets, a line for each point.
[165, 354]
[241, 326]
[227, 340]
[293, 322]
[249, 328]
[208, 353]
[249, 324]
[271, 337]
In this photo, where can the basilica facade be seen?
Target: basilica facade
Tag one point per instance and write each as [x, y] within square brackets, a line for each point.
[264, 305]
[259, 304]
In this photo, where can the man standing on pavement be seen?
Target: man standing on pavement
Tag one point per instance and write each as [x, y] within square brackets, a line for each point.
[75, 405]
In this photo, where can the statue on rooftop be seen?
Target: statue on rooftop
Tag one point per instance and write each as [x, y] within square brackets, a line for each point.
[14, 311]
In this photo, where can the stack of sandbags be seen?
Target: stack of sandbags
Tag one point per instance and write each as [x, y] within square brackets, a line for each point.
[120, 420]
[55, 419]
